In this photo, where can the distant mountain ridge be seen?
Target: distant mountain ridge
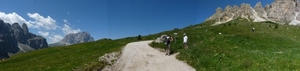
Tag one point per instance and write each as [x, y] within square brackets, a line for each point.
[280, 11]
[16, 39]
[74, 38]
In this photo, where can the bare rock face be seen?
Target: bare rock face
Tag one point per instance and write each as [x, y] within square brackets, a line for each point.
[259, 10]
[18, 33]
[37, 42]
[8, 43]
[246, 10]
[76, 38]
[13, 37]
[217, 15]
[280, 11]
[235, 11]
[227, 14]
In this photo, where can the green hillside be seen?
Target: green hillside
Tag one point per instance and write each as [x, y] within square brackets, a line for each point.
[75, 57]
[237, 48]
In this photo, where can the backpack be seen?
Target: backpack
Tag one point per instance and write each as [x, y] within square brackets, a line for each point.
[169, 40]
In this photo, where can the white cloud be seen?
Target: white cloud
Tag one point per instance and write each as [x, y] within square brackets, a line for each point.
[42, 22]
[66, 22]
[55, 38]
[44, 34]
[67, 29]
[13, 18]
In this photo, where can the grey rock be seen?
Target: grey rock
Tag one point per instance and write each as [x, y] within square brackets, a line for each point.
[14, 38]
[160, 39]
[24, 48]
[280, 11]
[227, 14]
[217, 15]
[8, 42]
[246, 10]
[259, 9]
[18, 33]
[236, 11]
[77, 38]
[37, 42]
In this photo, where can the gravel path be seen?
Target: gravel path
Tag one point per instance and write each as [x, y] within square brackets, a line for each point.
[139, 56]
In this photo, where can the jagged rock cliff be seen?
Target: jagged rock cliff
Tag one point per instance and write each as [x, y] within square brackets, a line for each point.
[13, 38]
[280, 11]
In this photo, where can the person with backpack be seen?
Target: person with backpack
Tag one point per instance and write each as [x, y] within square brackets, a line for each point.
[168, 44]
[185, 38]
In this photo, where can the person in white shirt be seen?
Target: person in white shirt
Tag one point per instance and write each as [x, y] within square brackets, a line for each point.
[185, 38]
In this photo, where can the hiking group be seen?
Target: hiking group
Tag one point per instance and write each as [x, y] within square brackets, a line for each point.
[168, 40]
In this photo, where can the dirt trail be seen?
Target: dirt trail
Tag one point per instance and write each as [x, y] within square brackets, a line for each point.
[139, 56]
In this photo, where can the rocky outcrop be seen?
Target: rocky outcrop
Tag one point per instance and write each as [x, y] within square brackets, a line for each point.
[160, 39]
[260, 10]
[75, 38]
[13, 37]
[280, 11]
[18, 33]
[246, 10]
[37, 42]
[8, 42]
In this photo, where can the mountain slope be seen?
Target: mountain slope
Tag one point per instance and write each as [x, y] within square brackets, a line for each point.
[82, 56]
[280, 11]
[238, 48]
[231, 46]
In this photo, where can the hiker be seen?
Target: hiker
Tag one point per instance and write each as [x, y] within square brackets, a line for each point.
[253, 29]
[168, 45]
[185, 38]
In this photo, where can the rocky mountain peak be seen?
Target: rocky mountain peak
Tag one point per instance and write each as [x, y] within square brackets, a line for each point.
[16, 26]
[245, 11]
[280, 11]
[235, 8]
[228, 8]
[25, 28]
[13, 37]
[219, 10]
[258, 5]
[75, 38]
[259, 10]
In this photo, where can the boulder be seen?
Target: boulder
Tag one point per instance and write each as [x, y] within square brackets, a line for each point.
[160, 39]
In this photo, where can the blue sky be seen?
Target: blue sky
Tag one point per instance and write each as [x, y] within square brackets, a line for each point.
[114, 19]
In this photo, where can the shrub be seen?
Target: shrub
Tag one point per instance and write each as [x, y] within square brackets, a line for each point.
[139, 37]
